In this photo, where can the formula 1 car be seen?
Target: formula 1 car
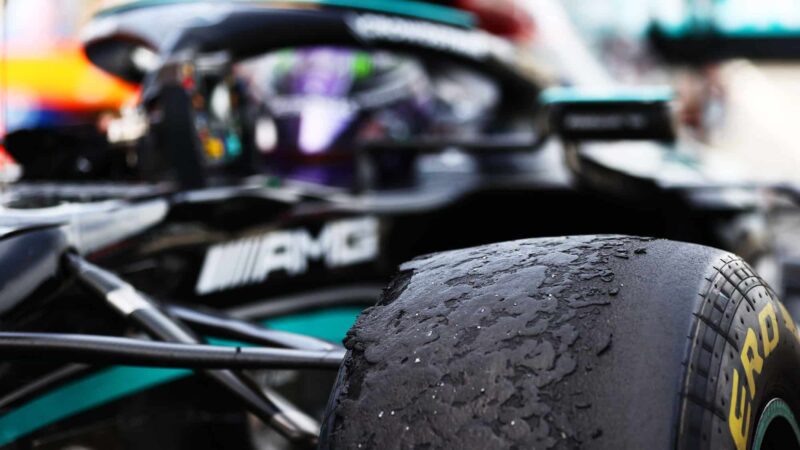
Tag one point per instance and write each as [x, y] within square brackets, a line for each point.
[293, 155]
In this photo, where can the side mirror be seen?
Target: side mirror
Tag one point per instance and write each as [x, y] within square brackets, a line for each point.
[699, 42]
[124, 56]
[577, 114]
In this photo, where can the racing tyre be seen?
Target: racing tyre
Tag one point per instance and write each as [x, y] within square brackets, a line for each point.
[602, 342]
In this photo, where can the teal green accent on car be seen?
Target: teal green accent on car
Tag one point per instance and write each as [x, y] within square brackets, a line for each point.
[330, 324]
[82, 395]
[776, 409]
[557, 95]
[410, 8]
[119, 382]
[687, 30]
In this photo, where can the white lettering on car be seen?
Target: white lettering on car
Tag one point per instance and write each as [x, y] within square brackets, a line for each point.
[251, 260]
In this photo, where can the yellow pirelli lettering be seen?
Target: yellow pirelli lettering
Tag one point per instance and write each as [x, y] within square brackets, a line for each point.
[787, 318]
[751, 360]
[739, 415]
[768, 321]
[752, 365]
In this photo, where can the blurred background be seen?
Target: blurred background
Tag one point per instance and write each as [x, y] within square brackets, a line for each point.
[736, 109]
[741, 107]
[47, 77]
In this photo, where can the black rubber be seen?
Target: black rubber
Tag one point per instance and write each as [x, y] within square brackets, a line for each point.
[586, 342]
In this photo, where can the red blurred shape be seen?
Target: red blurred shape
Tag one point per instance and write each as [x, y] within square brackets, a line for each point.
[501, 17]
[10, 171]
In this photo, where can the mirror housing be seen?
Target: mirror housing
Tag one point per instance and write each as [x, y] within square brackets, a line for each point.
[124, 56]
[639, 113]
[703, 45]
